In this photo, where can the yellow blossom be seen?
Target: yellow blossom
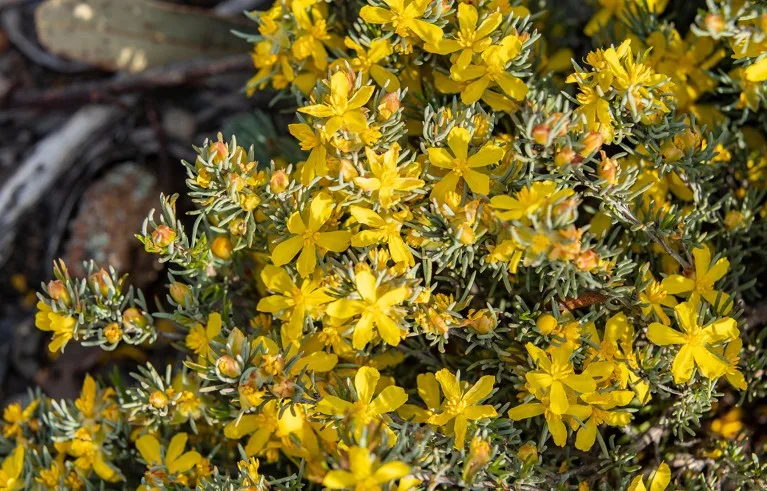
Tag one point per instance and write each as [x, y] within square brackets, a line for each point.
[365, 472]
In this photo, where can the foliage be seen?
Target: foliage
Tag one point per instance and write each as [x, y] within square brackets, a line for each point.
[491, 267]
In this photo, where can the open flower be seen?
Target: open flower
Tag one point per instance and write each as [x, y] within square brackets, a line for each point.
[366, 409]
[63, 326]
[341, 106]
[307, 236]
[296, 302]
[694, 340]
[702, 282]
[175, 459]
[462, 407]
[528, 201]
[384, 229]
[369, 61]
[659, 481]
[387, 181]
[199, 337]
[491, 71]
[404, 17]
[316, 164]
[554, 421]
[555, 371]
[470, 38]
[376, 308]
[461, 165]
[10, 473]
[365, 473]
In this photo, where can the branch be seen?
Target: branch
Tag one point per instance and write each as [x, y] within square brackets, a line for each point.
[105, 90]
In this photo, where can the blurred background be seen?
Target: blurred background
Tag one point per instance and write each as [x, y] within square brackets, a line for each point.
[99, 102]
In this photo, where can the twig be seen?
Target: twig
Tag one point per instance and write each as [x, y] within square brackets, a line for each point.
[104, 90]
[585, 299]
[10, 20]
[52, 156]
[237, 7]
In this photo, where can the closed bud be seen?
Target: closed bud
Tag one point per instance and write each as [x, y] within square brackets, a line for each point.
[58, 292]
[714, 23]
[546, 324]
[249, 201]
[238, 227]
[279, 181]
[221, 247]
[347, 171]
[733, 219]
[163, 235]
[540, 134]
[180, 293]
[564, 157]
[591, 143]
[479, 455]
[389, 105]
[101, 280]
[482, 321]
[221, 152]
[587, 260]
[608, 169]
[466, 234]
[158, 399]
[228, 367]
[133, 316]
[528, 452]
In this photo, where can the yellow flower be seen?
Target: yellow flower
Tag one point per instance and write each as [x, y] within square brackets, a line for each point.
[10, 473]
[555, 372]
[307, 236]
[296, 302]
[89, 454]
[175, 459]
[732, 354]
[366, 409]
[377, 308]
[343, 111]
[491, 71]
[63, 326]
[470, 38]
[385, 229]
[461, 165]
[528, 201]
[554, 421]
[387, 180]
[316, 164]
[262, 427]
[702, 283]
[655, 297]
[312, 35]
[16, 418]
[369, 62]
[758, 71]
[199, 338]
[428, 390]
[601, 405]
[365, 472]
[404, 16]
[462, 406]
[659, 481]
[694, 340]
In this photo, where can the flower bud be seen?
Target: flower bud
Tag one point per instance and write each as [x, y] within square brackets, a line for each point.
[180, 293]
[733, 219]
[564, 157]
[591, 143]
[528, 452]
[221, 247]
[133, 316]
[238, 227]
[671, 152]
[279, 181]
[101, 280]
[546, 324]
[249, 202]
[482, 321]
[608, 169]
[58, 292]
[228, 367]
[466, 234]
[714, 23]
[221, 150]
[479, 455]
[540, 134]
[158, 399]
[389, 105]
[163, 235]
[587, 260]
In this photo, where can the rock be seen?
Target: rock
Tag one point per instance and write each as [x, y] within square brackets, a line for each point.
[109, 214]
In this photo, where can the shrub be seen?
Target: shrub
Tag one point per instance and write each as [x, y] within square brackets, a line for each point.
[494, 268]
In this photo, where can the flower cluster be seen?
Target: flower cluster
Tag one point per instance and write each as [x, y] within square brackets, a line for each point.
[476, 256]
